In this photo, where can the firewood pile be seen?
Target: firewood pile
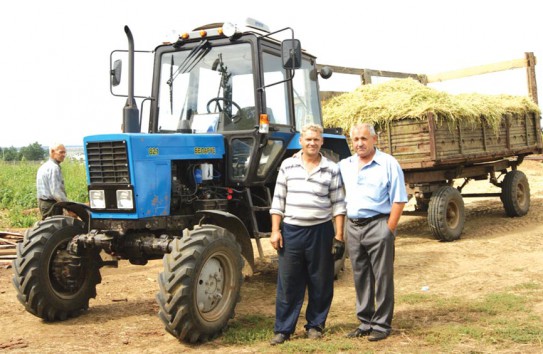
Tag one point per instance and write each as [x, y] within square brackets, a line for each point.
[8, 241]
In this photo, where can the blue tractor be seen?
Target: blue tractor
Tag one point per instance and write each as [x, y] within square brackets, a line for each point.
[226, 108]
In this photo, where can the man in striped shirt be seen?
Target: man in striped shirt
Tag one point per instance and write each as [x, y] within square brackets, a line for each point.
[308, 195]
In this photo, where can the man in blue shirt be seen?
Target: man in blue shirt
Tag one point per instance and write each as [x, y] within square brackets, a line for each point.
[375, 196]
[50, 183]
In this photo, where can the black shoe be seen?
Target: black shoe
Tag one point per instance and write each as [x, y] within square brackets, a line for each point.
[377, 335]
[279, 338]
[359, 333]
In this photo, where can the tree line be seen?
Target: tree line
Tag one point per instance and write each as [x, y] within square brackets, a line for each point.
[31, 152]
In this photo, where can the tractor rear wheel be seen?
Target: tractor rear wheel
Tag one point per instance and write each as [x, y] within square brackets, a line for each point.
[52, 283]
[200, 284]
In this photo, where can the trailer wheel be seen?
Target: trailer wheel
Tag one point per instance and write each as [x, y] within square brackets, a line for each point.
[200, 284]
[446, 214]
[51, 283]
[515, 193]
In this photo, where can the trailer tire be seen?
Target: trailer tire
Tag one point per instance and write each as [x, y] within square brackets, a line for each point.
[446, 215]
[199, 286]
[515, 194]
[51, 283]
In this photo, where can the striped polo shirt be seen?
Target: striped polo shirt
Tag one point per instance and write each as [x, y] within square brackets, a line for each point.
[307, 199]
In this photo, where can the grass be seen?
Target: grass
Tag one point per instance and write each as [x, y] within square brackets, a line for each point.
[18, 191]
[249, 329]
[497, 321]
[425, 323]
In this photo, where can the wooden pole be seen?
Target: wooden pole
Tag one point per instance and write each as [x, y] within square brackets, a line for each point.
[530, 73]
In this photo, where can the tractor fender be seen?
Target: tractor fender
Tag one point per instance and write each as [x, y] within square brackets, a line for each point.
[233, 224]
[81, 210]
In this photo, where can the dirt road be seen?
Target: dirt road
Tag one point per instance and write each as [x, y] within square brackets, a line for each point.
[494, 254]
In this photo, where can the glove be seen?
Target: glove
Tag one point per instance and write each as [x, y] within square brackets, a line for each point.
[338, 249]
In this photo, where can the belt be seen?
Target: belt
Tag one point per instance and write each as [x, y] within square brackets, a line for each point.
[365, 221]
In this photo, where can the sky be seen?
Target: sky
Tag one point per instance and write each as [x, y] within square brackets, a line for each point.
[54, 65]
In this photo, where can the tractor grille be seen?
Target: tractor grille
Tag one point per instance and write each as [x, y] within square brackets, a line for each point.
[108, 162]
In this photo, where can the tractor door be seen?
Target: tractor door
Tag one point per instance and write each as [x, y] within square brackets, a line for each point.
[256, 156]
[289, 105]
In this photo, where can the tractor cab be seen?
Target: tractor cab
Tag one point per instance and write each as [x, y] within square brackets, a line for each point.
[242, 83]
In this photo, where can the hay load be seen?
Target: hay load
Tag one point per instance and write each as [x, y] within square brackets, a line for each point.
[426, 128]
[407, 98]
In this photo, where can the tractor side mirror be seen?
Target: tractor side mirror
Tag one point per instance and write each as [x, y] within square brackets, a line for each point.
[326, 72]
[291, 54]
[115, 73]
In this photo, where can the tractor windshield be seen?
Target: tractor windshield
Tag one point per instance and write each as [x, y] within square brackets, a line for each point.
[207, 89]
[212, 88]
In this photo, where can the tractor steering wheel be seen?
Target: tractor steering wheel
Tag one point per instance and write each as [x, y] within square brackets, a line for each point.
[233, 119]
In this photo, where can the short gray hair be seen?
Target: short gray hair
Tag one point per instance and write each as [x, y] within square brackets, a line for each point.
[368, 126]
[55, 145]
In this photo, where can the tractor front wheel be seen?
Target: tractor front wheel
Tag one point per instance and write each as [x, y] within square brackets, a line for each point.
[52, 283]
[200, 284]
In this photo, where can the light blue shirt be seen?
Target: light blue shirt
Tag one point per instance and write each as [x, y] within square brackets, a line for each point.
[372, 189]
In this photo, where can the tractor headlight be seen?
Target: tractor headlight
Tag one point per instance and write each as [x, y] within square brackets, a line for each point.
[97, 199]
[124, 199]
[229, 29]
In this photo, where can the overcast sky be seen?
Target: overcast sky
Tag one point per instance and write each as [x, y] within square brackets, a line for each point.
[55, 54]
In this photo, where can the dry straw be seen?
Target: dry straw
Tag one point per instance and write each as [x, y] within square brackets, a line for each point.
[407, 98]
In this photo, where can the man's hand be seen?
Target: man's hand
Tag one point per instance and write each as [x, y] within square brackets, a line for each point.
[338, 249]
[276, 240]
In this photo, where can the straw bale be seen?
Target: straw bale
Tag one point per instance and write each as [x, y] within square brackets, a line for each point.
[408, 98]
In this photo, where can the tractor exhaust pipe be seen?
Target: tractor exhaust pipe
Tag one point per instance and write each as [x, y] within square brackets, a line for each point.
[131, 122]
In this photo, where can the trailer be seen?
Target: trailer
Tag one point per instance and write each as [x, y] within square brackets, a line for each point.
[433, 156]
[435, 153]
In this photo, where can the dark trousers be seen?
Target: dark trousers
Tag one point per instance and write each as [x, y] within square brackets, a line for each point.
[305, 261]
[371, 250]
[48, 208]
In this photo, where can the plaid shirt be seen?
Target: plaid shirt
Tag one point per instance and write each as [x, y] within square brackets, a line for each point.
[50, 183]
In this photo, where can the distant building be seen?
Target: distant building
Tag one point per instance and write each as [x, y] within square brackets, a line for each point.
[75, 152]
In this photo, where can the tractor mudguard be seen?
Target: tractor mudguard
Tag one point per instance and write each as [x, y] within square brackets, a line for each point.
[81, 210]
[234, 225]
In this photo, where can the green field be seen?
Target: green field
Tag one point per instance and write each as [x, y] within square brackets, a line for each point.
[18, 204]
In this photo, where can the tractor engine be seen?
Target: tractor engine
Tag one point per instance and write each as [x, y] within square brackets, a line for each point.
[197, 186]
